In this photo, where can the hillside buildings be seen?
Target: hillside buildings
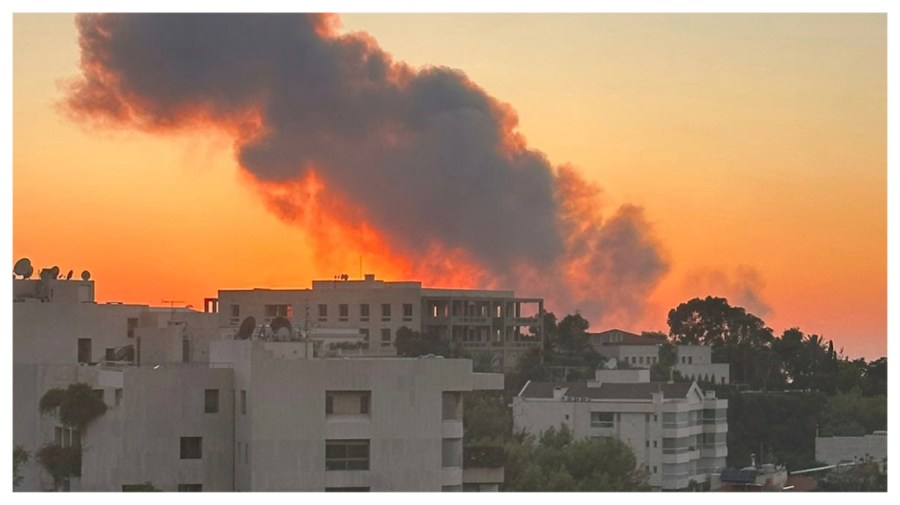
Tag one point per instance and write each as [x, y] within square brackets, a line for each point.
[677, 430]
[481, 321]
[191, 409]
[694, 362]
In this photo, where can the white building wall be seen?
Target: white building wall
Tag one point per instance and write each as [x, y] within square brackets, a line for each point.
[834, 450]
[140, 439]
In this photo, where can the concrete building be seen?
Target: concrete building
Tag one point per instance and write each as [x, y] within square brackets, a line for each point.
[692, 361]
[190, 411]
[481, 321]
[62, 336]
[677, 431]
[834, 450]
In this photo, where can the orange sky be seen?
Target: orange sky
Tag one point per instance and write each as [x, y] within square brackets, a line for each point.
[756, 144]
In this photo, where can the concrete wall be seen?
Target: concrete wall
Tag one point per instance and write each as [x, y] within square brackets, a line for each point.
[833, 450]
[139, 440]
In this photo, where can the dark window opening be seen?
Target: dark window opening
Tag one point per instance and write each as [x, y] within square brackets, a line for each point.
[346, 455]
[191, 447]
[211, 401]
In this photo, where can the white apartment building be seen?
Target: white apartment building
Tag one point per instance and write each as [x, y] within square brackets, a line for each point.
[676, 430]
[62, 336]
[692, 361]
[189, 411]
[481, 321]
[834, 450]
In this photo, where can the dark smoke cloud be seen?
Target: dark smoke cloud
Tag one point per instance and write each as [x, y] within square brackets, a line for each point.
[427, 154]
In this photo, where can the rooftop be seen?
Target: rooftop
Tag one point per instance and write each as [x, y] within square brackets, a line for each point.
[607, 391]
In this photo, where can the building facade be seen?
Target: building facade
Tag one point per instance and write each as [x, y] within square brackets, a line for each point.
[676, 430]
[694, 362]
[189, 410]
[480, 321]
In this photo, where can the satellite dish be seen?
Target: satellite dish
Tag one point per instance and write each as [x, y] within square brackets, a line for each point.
[23, 267]
[85, 276]
[246, 329]
[54, 272]
[69, 275]
[282, 328]
[611, 364]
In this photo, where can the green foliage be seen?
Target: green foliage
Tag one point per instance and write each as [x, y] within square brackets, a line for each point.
[411, 344]
[51, 400]
[558, 462]
[20, 457]
[573, 337]
[486, 416]
[777, 427]
[852, 414]
[61, 463]
[78, 405]
[483, 362]
[484, 455]
[867, 476]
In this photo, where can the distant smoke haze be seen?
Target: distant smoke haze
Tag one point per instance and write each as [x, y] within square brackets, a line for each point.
[420, 170]
[742, 286]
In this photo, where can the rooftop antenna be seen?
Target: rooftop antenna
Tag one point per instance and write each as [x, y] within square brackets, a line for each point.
[172, 306]
[69, 275]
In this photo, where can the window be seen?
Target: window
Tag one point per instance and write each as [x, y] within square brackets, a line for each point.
[110, 354]
[655, 443]
[364, 311]
[690, 360]
[647, 444]
[132, 324]
[385, 311]
[602, 420]
[243, 402]
[346, 455]
[185, 350]
[343, 311]
[365, 334]
[191, 447]
[451, 405]
[385, 336]
[323, 312]
[190, 488]
[641, 360]
[118, 396]
[407, 312]
[235, 314]
[211, 401]
[344, 403]
[84, 350]
[451, 452]
[654, 469]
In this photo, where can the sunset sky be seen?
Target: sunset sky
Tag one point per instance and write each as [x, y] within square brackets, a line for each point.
[755, 144]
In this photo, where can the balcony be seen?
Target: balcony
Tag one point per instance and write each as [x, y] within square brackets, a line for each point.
[680, 455]
[718, 450]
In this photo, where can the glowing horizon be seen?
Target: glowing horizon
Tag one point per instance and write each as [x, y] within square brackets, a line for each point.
[749, 137]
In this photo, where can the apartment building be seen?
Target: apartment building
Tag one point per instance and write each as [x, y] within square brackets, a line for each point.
[676, 430]
[257, 419]
[692, 361]
[190, 411]
[62, 336]
[481, 321]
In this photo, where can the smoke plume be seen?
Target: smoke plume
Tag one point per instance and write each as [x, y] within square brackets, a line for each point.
[421, 167]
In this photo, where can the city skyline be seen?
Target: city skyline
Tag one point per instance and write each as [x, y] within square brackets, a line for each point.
[750, 136]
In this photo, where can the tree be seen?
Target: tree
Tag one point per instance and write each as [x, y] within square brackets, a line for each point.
[77, 406]
[411, 344]
[573, 336]
[60, 462]
[20, 457]
[486, 416]
[551, 331]
[558, 462]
